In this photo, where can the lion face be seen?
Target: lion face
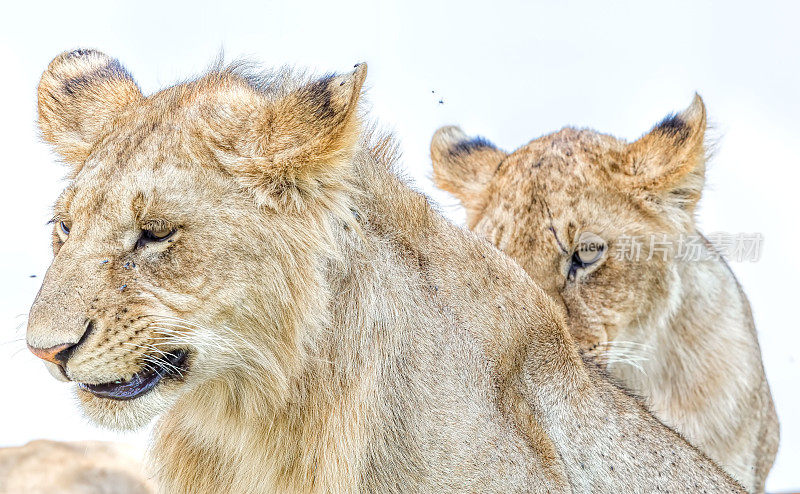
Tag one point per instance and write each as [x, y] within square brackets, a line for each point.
[134, 246]
[191, 216]
[591, 218]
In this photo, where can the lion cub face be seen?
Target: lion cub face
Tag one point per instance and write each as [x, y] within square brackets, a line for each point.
[572, 207]
[190, 217]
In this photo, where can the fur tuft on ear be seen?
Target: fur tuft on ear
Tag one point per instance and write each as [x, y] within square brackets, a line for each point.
[79, 95]
[464, 165]
[668, 163]
[299, 146]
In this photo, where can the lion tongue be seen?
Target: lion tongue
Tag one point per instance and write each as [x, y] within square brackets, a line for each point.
[142, 382]
[139, 384]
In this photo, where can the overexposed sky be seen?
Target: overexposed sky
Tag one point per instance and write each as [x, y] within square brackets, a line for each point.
[510, 71]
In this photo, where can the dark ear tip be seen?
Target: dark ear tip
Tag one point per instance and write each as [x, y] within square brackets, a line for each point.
[682, 125]
[448, 134]
[83, 52]
[79, 55]
[75, 63]
[445, 138]
[354, 79]
[696, 111]
[360, 73]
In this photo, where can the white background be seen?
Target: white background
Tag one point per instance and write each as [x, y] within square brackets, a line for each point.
[509, 71]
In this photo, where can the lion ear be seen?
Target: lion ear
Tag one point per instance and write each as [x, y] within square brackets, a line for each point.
[668, 163]
[301, 145]
[464, 165]
[79, 95]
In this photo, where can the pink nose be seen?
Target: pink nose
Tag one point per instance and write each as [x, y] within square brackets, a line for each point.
[57, 354]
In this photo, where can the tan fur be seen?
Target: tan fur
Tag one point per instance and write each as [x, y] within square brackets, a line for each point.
[343, 336]
[85, 467]
[678, 333]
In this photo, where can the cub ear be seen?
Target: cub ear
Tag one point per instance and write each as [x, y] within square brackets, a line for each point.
[79, 95]
[300, 145]
[463, 166]
[668, 163]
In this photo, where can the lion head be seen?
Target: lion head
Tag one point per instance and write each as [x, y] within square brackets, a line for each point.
[590, 217]
[191, 217]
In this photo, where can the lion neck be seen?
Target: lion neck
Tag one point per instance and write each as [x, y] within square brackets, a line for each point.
[704, 316]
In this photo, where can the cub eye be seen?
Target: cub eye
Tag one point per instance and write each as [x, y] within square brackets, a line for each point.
[589, 251]
[150, 236]
[576, 263]
[64, 227]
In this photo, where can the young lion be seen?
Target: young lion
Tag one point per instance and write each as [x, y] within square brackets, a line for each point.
[234, 254]
[578, 209]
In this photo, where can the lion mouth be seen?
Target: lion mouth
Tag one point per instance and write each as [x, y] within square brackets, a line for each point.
[170, 365]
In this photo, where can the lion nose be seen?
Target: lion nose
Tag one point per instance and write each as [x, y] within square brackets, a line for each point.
[58, 354]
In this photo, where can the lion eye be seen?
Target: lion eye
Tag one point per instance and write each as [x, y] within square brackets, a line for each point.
[64, 228]
[576, 263]
[149, 236]
[589, 251]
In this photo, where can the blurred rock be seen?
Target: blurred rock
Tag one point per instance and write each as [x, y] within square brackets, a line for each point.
[85, 467]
